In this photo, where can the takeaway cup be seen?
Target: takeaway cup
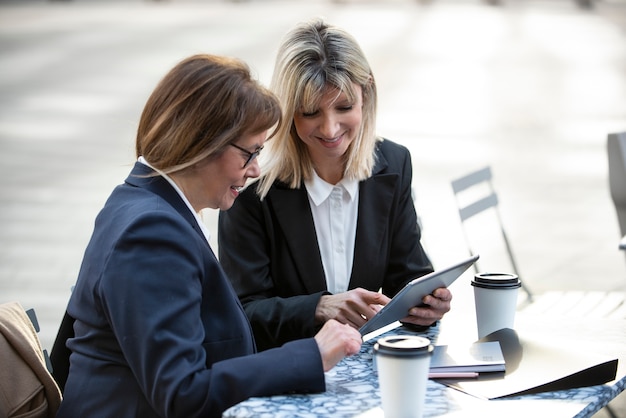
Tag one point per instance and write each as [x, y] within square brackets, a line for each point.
[402, 362]
[495, 297]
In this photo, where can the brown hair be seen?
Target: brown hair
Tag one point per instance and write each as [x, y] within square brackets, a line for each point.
[203, 104]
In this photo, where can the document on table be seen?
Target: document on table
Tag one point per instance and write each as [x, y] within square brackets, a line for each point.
[535, 365]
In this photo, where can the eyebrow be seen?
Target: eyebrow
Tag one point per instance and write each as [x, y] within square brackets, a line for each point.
[257, 150]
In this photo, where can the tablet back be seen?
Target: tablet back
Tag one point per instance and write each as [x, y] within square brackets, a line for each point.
[412, 294]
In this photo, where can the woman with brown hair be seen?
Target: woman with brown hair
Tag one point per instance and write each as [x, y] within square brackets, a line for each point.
[159, 331]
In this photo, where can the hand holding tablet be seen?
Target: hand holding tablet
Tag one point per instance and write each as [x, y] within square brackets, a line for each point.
[413, 293]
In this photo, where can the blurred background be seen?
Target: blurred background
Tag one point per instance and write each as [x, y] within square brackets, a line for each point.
[531, 88]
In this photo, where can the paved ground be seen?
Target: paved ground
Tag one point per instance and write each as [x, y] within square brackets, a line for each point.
[530, 87]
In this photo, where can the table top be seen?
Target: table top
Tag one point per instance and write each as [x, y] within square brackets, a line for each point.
[352, 386]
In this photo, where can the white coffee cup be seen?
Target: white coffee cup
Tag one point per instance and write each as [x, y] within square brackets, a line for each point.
[402, 362]
[495, 298]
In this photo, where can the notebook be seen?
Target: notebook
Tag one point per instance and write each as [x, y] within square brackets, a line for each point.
[479, 357]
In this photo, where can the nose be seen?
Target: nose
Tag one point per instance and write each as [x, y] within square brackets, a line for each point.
[253, 170]
[329, 126]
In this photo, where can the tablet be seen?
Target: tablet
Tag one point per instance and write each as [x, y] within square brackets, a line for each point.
[412, 294]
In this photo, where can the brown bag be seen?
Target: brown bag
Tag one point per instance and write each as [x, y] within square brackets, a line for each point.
[27, 389]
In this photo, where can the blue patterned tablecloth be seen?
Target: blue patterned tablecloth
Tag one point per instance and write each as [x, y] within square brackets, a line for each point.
[352, 391]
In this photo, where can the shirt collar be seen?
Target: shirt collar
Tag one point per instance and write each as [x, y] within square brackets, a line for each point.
[319, 190]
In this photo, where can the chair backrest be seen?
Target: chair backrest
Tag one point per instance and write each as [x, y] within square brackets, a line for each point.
[26, 385]
[33, 319]
[478, 186]
[616, 149]
[470, 180]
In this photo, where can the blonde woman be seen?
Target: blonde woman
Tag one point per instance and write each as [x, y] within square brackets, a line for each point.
[331, 220]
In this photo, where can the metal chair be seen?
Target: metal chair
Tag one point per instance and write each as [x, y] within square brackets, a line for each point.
[597, 304]
[481, 180]
[616, 149]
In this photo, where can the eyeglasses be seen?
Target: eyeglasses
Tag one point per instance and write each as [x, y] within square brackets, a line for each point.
[251, 155]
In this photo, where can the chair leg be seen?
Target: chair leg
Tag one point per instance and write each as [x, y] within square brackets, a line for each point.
[610, 411]
[514, 263]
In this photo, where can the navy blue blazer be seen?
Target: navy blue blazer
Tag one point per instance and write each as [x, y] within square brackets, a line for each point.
[270, 253]
[159, 330]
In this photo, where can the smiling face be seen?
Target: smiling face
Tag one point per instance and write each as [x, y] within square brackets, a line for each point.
[331, 127]
[215, 182]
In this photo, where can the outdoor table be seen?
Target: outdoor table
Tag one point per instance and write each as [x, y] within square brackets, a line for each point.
[352, 386]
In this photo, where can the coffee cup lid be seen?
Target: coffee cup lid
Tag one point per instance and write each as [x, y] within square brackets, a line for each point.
[403, 346]
[496, 280]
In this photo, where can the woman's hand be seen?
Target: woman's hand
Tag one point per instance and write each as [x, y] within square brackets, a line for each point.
[436, 306]
[354, 307]
[336, 341]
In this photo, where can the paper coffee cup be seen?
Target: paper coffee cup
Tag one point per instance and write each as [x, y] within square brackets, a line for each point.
[495, 297]
[402, 362]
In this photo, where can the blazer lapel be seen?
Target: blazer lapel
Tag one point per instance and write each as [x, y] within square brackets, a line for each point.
[375, 200]
[299, 231]
[143, 176]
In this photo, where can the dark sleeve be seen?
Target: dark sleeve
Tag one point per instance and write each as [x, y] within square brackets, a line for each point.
[407, 258]
[247, 241]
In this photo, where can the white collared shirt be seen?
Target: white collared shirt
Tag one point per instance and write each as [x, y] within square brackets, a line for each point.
[335, 211]
[201, 224]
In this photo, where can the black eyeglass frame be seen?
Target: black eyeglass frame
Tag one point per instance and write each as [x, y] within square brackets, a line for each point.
[251, 155]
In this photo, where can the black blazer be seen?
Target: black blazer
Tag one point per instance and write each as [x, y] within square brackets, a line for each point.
[270, 253]
[159, 330]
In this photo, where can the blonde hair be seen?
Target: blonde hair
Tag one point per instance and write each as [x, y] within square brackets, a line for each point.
[201, 105]
[312, 57]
